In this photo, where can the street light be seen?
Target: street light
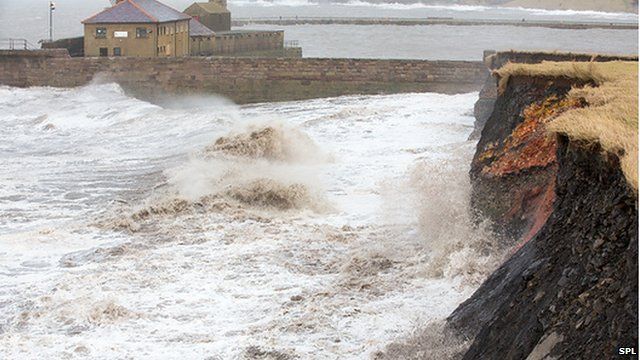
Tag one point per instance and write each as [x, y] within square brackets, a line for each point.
[52, 7]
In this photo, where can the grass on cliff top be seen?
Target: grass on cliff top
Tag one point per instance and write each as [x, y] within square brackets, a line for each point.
[611, 117]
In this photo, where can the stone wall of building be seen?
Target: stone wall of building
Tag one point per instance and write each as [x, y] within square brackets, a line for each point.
[244, 80]
[163, 39]
[239, 41]
[130, 45]
[173, 38]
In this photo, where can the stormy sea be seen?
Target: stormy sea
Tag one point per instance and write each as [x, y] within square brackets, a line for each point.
[213, 228]
[197, 228]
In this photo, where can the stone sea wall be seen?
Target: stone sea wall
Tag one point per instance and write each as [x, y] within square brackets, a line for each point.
[244, 80]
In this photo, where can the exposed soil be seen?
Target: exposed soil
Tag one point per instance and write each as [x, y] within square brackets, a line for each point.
[513, 171]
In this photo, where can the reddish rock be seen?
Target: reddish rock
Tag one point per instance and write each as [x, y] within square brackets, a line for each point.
[513, 171]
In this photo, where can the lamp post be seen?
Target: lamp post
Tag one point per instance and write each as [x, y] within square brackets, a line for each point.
[52, 7]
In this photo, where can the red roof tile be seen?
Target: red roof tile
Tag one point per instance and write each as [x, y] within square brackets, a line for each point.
[137, 11]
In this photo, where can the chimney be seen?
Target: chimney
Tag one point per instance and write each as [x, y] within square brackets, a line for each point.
[222, 3]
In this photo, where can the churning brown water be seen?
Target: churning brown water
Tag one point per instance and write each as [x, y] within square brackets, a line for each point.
[317, 229]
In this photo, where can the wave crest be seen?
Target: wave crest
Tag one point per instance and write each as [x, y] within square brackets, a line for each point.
[268, 193]
[275, 142]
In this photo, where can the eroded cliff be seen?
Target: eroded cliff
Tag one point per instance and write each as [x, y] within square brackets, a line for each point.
[556, 171]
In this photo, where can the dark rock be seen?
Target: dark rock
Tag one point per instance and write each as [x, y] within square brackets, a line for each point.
[594, 307]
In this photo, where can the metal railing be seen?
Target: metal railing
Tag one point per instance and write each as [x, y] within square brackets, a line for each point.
[16, 44]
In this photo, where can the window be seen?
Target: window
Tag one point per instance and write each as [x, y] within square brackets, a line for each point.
[101, 32]
[141, 32]
[117, 51]
[104, 52]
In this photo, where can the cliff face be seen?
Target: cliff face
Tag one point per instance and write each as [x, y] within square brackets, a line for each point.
[570, 290]
[513, 171]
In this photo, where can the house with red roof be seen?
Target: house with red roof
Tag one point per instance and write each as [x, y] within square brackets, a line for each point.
[149, 28]
[143, 28]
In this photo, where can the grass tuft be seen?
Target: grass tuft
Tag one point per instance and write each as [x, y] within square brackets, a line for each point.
[611, 115]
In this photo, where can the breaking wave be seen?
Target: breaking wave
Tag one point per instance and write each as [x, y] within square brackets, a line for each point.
[269, 166]
[271, 194]
[266, 167]
[271, 142]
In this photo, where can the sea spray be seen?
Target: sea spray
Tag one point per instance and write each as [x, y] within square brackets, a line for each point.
[457, 244]
[430, 207]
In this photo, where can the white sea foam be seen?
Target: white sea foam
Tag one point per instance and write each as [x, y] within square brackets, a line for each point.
[419, 5]
[582, 13]
[229, 277]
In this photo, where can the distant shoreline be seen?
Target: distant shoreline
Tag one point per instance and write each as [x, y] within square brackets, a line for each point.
[284, 21]
[610, 6]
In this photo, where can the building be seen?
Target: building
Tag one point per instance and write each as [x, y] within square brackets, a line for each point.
[144, 28]
[202, 39]
[148, 28]
[205, 42]
[213, 14]
[211, 34]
